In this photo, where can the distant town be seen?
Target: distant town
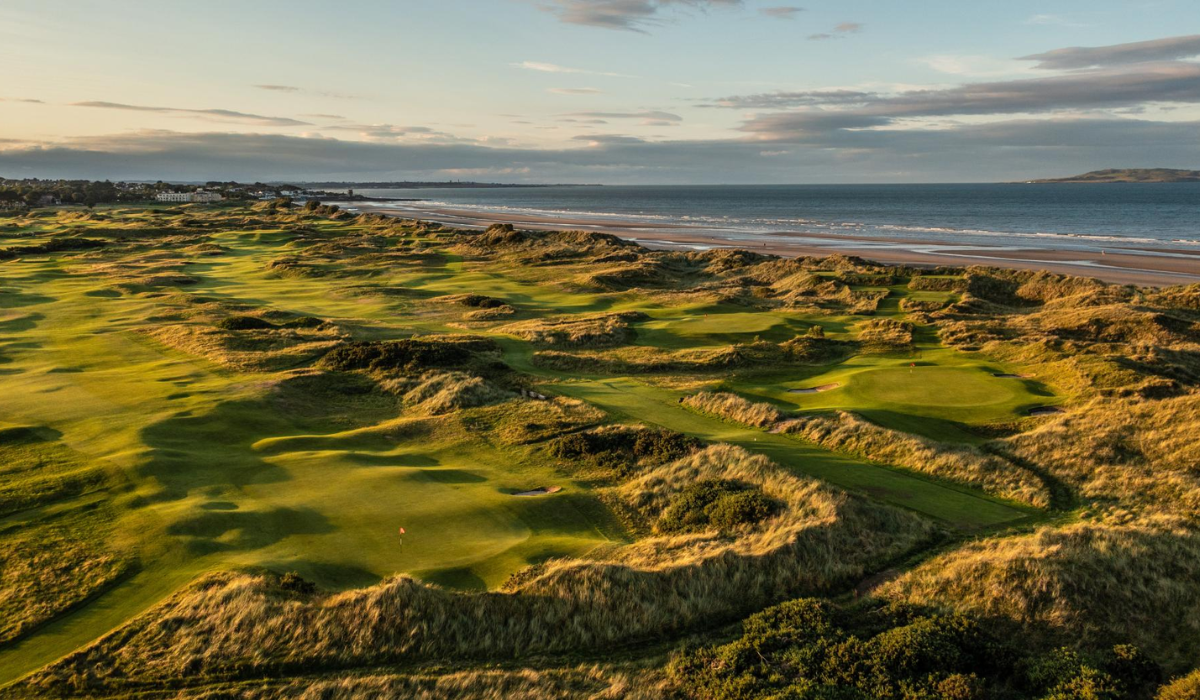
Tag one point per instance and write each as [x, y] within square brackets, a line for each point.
[35, 192]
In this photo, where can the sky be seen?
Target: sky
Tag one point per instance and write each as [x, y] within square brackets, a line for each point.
[597, 91]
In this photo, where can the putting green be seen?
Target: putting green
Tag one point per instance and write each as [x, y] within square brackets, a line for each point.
[930, 386]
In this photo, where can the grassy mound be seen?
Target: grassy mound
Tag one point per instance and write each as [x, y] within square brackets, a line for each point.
[1089, 582]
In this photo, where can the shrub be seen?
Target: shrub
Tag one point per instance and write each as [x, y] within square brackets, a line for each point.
[886, 333]
[244, 323]
[813, 649]
[621, 448]
[1185, 688]
[723, 504]
[480, 301]
[408, 355]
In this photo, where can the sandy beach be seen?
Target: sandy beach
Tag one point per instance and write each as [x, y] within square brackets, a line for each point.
[1120, 264]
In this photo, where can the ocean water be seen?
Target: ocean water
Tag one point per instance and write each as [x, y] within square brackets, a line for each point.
[1051, 216]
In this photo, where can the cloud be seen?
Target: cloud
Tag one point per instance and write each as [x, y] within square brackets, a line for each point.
[1078, 57]
[973, 66]
[815, 112]
[221, 115]
[781, 12]
[294, 89]
[628, 15]
[574, 91]
[646, 115]
[605, 139]
[838, 32]
[785, 99]
[392, 132]
[555, 68]
[1053, 20]
[322, 116]
[1010, 150]
[24, 100]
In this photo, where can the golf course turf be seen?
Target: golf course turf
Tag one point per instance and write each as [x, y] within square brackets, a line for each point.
[220, 449]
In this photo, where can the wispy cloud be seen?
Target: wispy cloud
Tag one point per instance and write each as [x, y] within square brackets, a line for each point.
[270, 87]
[781, 12]
[398, 134]
[973, 66]
[574, 91]
[1077, 57]
[555, 68]
[1053, 20]
[627, 15]
[838, 32]
[647, 117]
[24, 100]
[224, 115]
[789, 99]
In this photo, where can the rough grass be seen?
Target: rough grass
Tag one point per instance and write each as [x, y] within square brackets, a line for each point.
[48, 567]
[438, 392]
[231, 625]
[1083, 583]
[404, 422]
[847, 432]
[734, 408]
[607, 330]
[590, 682]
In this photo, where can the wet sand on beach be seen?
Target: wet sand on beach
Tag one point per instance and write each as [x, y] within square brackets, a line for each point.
[1118, 264]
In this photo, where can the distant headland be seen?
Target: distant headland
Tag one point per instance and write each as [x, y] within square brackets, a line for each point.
[1129, 175]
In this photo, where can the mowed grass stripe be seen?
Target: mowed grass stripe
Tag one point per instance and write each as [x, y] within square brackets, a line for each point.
[630, 399]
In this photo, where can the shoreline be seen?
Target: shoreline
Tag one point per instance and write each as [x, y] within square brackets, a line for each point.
[1117, 264]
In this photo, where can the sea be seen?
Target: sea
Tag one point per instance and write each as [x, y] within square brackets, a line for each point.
[1042, 216]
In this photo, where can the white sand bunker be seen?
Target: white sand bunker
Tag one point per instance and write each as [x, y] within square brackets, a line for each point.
[814, 389]
[540, 491]
[1045, 411]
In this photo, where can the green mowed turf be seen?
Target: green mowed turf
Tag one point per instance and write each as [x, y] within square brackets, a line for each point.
[958, 506]
[209, 473]
[951, 387]
[208, 476]
[695, 326]
[944, 387]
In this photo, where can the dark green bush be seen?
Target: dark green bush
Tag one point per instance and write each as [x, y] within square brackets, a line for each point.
[621, 450]
[480, 301]
[54, 245]
[716, 503]
[244, 323]
[304, 322]
[411, 355]
[810, 649]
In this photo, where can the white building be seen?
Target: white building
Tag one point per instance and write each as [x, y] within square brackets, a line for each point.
[189, 197]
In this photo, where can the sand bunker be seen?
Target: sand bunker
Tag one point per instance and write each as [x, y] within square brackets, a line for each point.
[540, 491]
[814, 389]
[1011, 376]
[1045, 411]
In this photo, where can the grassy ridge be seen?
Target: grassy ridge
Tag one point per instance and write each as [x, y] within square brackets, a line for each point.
[252, 392]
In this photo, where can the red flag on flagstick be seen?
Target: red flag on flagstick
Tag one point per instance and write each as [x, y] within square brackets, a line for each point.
[401, 531]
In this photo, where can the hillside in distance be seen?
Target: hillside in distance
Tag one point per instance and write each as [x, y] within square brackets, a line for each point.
[1129, 175]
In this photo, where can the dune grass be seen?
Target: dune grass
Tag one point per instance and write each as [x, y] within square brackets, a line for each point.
[214, 397]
